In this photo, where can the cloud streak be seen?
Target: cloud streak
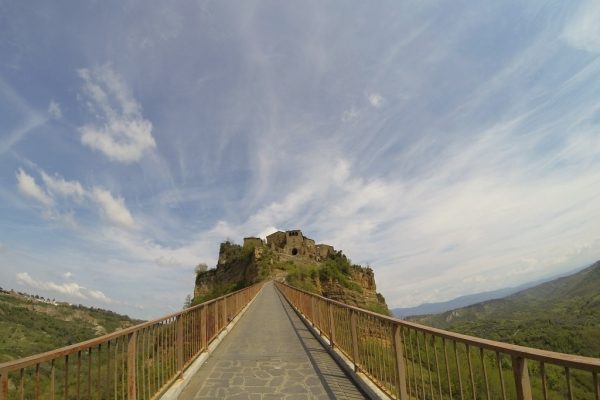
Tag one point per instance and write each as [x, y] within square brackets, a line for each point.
[123, 134]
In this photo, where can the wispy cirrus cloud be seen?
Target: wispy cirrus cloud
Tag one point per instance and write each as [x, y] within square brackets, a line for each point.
[582, 30]
[28, 186]
[111, 208]
[122, 133]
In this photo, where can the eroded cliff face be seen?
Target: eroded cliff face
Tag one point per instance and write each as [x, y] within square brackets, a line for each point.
[332, 276]
[236, 269]
[366, 297]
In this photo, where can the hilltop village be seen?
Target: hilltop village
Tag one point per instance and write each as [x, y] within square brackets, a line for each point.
[298, 260]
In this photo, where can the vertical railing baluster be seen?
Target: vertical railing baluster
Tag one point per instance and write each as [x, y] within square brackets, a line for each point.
[501, 375]
[66, 377]
[4, 385]
[407, 363]
[331, 325]
[89, 374]
[216, 317]
[37, 381]
[78, 384]
[400, 366]
[203, 328]
[420, 363]
[447, 367]
[596, 385]
[131, 361]
[412, 362]
[485, 376]
[521, 376]
[354, 329]
[428, 366]
[108, 369]
[98, 370]
[469, 363]
[569, 387]
[179, 345]
[143, 389]
[52, 375]
[437, 365]
[116, 377]
[543, 376]
[22, 384]
[458, 370]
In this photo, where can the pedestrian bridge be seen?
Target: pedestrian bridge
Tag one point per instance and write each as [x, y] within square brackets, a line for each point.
[272, 341]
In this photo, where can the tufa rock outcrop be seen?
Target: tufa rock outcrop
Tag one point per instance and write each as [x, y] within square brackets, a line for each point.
[292, 257]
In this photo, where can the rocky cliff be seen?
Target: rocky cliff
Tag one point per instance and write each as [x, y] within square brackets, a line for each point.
[318, 269]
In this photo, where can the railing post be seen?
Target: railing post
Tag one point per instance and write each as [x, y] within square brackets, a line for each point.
[216, 317]
[4, 385]
[203, 328]
[179, 343]
[521, 374]
[225, 316]
[354, 328]
[312, 311]
[331, 325]
[131, 375]
[400, 366]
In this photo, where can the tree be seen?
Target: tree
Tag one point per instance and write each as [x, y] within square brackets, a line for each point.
[202, 267]
[187, 302]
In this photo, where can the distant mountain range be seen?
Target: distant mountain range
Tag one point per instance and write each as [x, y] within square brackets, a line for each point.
[560, 315]
[467, 300]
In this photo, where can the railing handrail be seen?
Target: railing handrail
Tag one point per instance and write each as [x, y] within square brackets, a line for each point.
[570, 360]
[74, 348]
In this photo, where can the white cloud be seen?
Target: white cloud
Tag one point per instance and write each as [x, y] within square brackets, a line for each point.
[27, 185]
[122, 134]
[58, 185]
[376, 100]
[68, 275]
[98, 295]
[113, 208]
[582, 31]
[54, 110]
[72, 289]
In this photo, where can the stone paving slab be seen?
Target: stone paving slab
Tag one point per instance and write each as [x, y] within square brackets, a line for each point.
[270, 354]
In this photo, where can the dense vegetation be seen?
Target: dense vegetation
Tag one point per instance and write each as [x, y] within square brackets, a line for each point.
[337, 268]
[30, 325]
[561, 315]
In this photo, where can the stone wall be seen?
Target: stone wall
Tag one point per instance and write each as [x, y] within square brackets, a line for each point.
[294, 243]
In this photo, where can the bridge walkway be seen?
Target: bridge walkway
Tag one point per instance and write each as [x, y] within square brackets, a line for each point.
[270, 354]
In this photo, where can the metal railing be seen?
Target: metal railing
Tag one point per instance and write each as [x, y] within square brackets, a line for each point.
[139, 362]
[412, 361]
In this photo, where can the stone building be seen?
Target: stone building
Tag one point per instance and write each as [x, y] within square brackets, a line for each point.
[294, 243]
[253, 242]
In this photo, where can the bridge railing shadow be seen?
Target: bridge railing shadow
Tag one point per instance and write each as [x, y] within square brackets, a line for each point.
[140, 362]
[411, 361]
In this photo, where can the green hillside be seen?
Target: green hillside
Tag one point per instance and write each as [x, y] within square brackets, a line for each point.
[561, 315]
[30, 325]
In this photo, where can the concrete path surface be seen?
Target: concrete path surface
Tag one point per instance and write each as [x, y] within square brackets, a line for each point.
[270, 354]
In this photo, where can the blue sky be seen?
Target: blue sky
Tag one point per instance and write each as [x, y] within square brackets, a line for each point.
[454, 147]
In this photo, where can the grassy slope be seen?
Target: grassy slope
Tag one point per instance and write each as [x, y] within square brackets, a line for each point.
[28, 327]
[561, 315]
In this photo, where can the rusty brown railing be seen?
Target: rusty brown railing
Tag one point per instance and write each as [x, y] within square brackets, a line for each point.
[411, 361]
[139, 362]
